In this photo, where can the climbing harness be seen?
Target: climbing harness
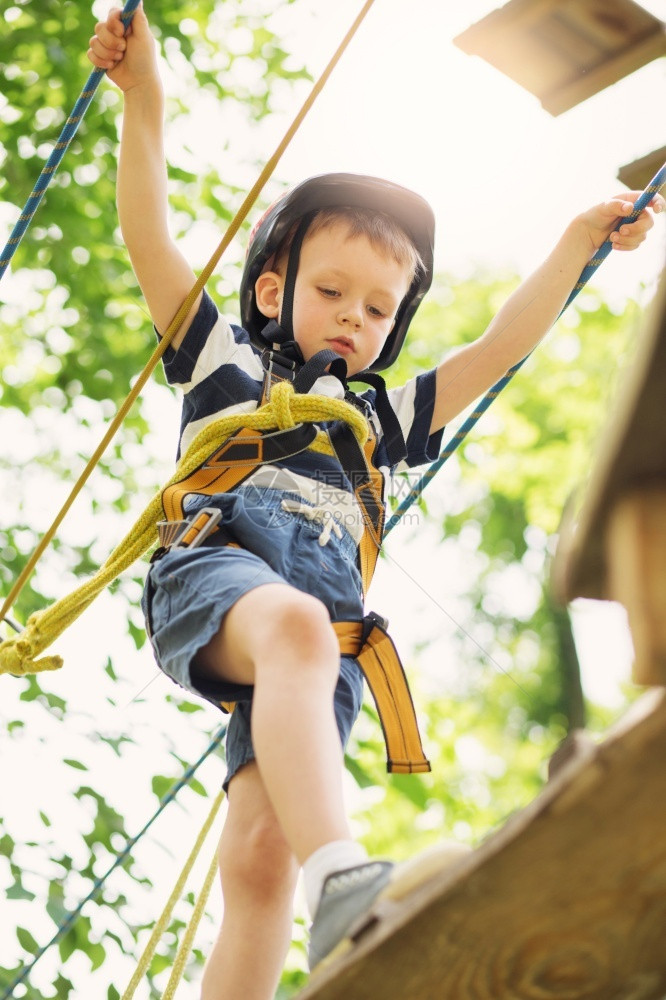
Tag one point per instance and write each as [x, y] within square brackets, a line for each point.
[234, 462]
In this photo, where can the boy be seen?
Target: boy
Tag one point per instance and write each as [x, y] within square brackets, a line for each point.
[250, 622]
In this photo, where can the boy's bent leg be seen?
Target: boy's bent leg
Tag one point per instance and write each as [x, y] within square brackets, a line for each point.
[281, 641]
[258, 873]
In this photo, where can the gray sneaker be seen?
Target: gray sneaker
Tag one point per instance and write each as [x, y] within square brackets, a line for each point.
[345, 897]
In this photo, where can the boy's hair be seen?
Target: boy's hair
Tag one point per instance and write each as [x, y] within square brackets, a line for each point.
[382, 231]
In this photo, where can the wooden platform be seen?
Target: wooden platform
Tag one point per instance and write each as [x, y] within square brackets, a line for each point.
[564, 51]
[638, 174]
[614, 547]
[566, 902]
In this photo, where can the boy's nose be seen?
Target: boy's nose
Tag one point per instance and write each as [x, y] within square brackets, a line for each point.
[351, 315]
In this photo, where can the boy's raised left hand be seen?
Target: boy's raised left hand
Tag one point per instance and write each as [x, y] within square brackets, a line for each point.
[599, 222]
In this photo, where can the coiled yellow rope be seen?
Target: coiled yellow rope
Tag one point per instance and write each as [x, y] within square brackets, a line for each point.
[284, 410]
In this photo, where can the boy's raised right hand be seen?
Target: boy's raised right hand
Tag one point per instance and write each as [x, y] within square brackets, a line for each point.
[130, 59]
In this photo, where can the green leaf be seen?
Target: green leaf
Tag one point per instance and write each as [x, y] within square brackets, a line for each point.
[137, 633]
[17, 891]
[67, 945]
[26, 940]
[108, 669]
[161, 785]
[197, 787]
[189, 707]
[6, 845]
[96, 953]
[75, 764]
[359, 774]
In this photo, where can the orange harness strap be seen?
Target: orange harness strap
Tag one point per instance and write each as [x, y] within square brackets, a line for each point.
[235, 460]
[369, 643]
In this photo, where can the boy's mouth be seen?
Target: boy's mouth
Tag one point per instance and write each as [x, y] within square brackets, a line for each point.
[342, 345]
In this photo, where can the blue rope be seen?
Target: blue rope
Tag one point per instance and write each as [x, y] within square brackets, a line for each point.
[642, 202]
[69, 131]
[120, 859]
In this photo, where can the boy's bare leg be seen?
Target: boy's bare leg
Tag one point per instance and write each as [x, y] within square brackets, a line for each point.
[281, 640]
[258, 873]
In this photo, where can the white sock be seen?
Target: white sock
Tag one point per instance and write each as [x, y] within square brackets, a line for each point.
[332, 857]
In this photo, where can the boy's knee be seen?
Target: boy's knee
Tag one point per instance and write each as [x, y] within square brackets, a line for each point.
[301, 622]
[257, 860]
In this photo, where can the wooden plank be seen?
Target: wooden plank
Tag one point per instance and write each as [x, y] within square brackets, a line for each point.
[566, 902]
[598, 78]
[614, 24]
[631, 454]
[636, 556]
[564, 51]
[537, 68]
[574, 47]
[638, 174]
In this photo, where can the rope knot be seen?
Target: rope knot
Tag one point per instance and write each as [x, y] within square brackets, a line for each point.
[18, 656]
[281, 400]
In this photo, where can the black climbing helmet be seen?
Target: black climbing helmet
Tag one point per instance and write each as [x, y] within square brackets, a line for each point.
[411, 212]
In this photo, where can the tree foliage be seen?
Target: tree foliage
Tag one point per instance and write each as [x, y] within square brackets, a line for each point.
[73, 334]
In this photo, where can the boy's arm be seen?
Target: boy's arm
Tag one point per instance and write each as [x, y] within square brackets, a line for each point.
[530, 312]
[163, 273]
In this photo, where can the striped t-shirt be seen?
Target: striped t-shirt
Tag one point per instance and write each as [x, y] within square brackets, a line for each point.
[220, 373]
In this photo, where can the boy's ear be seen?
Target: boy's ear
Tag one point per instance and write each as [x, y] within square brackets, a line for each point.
[268, 294]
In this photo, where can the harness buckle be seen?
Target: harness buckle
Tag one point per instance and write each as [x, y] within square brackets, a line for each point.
[268, 361]
[191, 532]
[368, 623]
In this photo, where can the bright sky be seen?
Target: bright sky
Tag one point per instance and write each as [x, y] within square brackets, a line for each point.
[502, 174]
[504, 177]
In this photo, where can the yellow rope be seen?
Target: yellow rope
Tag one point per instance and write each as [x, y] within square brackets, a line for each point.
[284, 409]
[163, 921]
[180, 316]
[188, 937]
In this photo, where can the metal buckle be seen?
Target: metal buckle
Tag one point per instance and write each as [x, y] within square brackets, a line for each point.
[168, 531]
[190, 533]
[378, 619]
[267, 361]
[199, 526]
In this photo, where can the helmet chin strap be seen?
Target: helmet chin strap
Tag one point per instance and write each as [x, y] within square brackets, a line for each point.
[287, 311]
[281, 331]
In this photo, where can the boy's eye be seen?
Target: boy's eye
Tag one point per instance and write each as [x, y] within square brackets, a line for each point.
[378, 313]
[331, 293]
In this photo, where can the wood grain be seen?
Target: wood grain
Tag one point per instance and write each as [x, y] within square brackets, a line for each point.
[566, 902]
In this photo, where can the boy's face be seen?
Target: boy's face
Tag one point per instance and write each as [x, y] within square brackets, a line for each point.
[346, 297]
